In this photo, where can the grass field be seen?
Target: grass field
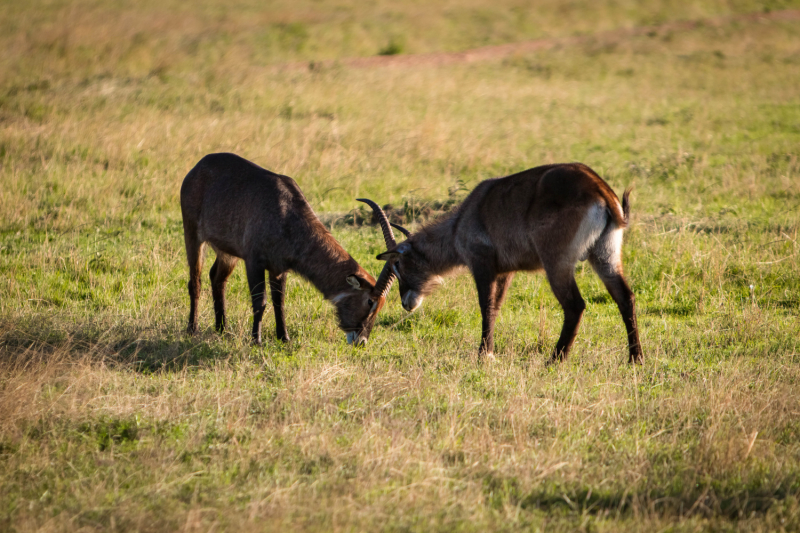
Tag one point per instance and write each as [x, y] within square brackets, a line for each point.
[112, 420]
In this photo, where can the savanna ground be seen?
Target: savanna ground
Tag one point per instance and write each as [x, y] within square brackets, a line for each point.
[112, 419]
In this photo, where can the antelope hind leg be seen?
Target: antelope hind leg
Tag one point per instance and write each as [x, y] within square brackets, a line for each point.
[277, 287]
[562, 283]
[220, 272]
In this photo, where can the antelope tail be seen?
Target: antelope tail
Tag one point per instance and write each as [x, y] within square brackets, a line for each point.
[626, 204]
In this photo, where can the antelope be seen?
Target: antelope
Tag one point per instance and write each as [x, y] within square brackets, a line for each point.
[246, 212]
[548, 217]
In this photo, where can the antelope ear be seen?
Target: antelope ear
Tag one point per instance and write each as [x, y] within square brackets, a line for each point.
[402, 249]
[358, 282]
[386, 256]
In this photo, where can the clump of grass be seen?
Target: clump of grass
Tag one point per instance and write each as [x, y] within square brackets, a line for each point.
[393, 47]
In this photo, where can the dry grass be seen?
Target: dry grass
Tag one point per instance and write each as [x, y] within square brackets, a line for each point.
[111, 419]
[353, 442]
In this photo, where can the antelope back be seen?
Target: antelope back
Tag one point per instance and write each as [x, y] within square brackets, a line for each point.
[559, 208]
[244, 209]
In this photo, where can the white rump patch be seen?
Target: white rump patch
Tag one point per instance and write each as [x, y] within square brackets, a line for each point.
[608, 250]
[591, 228]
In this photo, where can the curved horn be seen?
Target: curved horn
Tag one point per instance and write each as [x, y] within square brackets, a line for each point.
[401, 229]
[385, 280]
[388, 235]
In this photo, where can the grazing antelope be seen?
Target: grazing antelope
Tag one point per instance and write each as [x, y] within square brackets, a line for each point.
[246, 212]
[548, 217]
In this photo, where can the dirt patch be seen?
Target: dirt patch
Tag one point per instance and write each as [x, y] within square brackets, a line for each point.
[486, 53]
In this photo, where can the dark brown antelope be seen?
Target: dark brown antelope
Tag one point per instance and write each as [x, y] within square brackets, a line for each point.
[246, 212]
[548, 217]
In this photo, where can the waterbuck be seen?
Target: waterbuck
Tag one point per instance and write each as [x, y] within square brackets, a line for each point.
[548, 217]
[246, 212]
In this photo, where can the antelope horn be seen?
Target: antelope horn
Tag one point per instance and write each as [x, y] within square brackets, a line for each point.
[385, 280]
[401, 229]
[388, 235]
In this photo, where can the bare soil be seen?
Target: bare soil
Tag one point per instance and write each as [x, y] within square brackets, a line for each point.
[487, 53]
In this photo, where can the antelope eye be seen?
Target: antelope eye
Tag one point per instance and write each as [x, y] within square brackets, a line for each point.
[370, 302]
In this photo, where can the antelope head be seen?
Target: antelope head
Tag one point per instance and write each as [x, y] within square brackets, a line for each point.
[407, 263]
[358, 307]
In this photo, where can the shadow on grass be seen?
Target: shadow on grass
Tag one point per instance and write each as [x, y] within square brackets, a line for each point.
[680, 309]
[728, 498]
[169, 354]
[39, 339]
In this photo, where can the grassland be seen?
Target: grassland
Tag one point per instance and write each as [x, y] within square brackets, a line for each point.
[112, 420]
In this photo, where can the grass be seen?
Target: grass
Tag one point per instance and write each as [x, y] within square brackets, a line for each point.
[111, 419]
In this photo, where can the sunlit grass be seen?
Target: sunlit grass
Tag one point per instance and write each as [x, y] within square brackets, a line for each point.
[112, 419]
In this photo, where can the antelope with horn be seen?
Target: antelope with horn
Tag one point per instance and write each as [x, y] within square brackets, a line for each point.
[246, 212]
[548, 217]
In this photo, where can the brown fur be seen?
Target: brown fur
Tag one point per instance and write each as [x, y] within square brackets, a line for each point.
[549, 217]
[244, 211]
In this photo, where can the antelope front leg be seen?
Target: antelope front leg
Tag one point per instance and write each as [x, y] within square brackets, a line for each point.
[255, 278]
[486, 283]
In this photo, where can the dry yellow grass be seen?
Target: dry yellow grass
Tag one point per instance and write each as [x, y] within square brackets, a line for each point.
[111, 419]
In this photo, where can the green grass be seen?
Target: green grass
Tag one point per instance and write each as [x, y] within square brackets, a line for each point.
[112, 419]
